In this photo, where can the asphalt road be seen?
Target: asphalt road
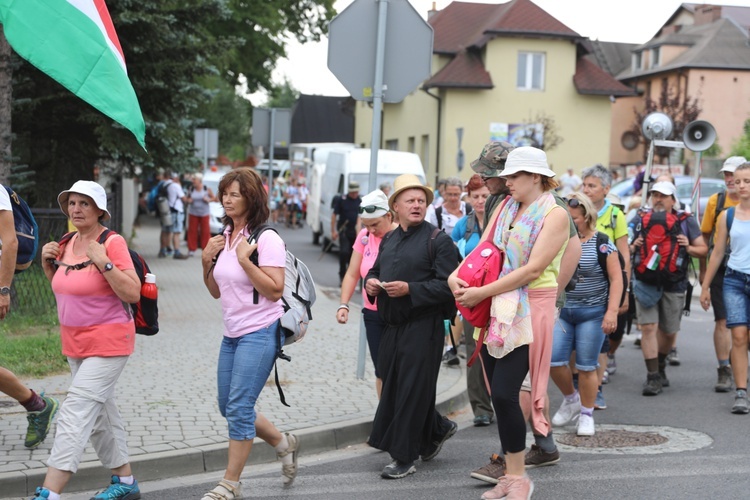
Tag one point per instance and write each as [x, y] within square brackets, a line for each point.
[705, 454]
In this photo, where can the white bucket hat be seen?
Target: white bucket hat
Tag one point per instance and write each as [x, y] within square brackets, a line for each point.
[731, 164]
[373, 205]
[665, 188]
[527, 159]
[88, 188]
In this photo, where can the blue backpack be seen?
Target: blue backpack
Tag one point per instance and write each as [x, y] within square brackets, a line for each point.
[27, 231]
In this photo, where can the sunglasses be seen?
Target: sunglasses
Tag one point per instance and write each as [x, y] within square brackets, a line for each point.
[371, 209]
[574, 203]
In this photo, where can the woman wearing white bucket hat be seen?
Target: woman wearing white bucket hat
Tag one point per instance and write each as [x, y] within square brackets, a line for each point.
[377, 220]
[91, 280]
[532, 229]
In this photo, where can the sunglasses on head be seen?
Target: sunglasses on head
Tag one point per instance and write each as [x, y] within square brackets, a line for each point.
[574, 203]
[370, 209]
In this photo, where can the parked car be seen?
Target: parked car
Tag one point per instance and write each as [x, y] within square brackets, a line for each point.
[683, 183]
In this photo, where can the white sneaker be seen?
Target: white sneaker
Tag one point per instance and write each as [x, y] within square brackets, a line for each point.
[586, 426]
[567, 412]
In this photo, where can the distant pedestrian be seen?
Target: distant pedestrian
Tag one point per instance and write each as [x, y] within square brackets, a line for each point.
[199, 214]
[41, 409]
[409, 281]
[533, 231]
[234, 270]
[177, 199]
[386, 188]
[91, 282]
[569, 183]
[736, 280]
[345, 224]
[377, 220]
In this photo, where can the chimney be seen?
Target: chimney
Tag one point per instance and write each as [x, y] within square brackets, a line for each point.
[432, 11]
[668, 30]
[706, 14]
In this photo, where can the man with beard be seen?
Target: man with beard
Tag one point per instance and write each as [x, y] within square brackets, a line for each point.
[409, 279]
[665, 239]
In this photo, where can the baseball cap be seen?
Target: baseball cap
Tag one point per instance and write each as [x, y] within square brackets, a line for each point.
[492, 159]
[731, 164]
[665, 188]
[353, 186]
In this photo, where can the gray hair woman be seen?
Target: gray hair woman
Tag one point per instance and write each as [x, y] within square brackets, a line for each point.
[377, 220]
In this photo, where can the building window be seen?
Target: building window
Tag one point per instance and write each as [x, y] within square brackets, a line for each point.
[412, 146]
[637, 61]
[530, 71]
[425, 154]
[391, 144]
[655, 57]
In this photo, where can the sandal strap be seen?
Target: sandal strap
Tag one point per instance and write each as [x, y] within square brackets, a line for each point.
[222, 491]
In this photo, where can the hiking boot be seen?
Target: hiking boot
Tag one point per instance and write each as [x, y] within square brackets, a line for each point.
[611, 364]
[673, 358]
[537, 457]
[600, 403]
[450, 357]
[40, 422]
[179, 256]
[119, 491]
[482, 420]
[652, 387]
[512, 488]
[724, 382]
[492, 472]
[398, 469]
[585, 425]
[740, 403]
[224, 491]
[289, 472]
[438, 445]
[663, 378]
[567, 412]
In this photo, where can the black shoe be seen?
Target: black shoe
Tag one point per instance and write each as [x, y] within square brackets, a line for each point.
[438, 445]
[397, 470]
[482, 420]
[179, 256]
[450, 357]
[652, 387]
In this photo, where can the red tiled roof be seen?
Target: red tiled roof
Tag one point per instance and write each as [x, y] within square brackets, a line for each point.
[463, 24]
[593, 80]
[465, 70]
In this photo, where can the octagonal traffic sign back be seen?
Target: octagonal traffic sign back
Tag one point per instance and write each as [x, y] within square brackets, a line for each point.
[352, 37]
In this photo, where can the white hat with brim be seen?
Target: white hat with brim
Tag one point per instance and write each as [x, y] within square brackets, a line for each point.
[731, 164]
[87, 188]
[376, 204]
[409, 181]
[529, 160]
[665, 188]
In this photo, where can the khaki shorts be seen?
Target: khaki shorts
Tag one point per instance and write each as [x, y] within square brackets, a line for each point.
[667, 312]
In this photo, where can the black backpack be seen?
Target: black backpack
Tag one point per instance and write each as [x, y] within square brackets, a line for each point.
[602, 242]
[439, 214]
[145, 312]
[27, 232]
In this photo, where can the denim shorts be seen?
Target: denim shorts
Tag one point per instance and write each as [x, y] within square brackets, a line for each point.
[579, 329]
[244, 366]
[178, 222]
[737, 297]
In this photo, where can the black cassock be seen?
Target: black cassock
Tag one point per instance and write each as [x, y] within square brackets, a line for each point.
[406, 422]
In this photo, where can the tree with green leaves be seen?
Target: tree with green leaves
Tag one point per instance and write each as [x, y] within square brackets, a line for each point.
[741, 147]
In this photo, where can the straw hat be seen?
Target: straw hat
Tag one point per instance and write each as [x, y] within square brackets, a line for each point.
[408, 181]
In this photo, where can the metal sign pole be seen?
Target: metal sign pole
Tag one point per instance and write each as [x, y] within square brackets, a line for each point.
[647, 174]
[377, 93]
[271, 141]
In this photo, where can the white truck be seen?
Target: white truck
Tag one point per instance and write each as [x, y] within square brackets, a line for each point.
[343, 167]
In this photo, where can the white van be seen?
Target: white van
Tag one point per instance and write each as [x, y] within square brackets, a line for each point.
[344, 167]
[314, 176]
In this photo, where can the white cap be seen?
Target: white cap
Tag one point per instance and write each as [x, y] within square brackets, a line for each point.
[731, 163]
[87, 188]
[376, 199]
[527, 159]
[665, 188]
[150, 278]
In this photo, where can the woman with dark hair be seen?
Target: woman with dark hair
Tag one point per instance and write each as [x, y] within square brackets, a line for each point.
[252, 331]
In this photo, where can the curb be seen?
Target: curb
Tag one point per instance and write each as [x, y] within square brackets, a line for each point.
[213, 458]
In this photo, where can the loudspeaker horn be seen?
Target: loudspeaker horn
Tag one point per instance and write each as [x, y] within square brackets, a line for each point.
[699, 135]
[657, 126]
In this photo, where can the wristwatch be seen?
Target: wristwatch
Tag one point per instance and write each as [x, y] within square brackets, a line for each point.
[5, 290]
[107, 267]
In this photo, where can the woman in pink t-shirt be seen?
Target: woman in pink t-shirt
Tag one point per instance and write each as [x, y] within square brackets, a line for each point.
[377, 220]
[238, 275]
[91, 281]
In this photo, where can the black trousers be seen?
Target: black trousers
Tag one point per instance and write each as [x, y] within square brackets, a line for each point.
[406, 422]
[346, 242]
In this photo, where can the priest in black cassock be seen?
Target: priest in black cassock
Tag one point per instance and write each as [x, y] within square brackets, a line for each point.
[409, 279]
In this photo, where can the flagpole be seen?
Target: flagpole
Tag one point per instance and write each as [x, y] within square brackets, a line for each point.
[696, 195]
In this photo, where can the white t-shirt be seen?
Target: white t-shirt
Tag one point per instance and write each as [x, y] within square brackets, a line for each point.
[174, 196]
[4, 202]
[569, 184]
[448, 219]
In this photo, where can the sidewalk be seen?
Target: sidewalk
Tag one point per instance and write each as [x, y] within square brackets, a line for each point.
[167, 393]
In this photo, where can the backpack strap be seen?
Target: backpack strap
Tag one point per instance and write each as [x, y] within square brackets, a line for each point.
[613, 218]
[255, 236]
[439, 217]
[730, 219]
[471, 225]
[602, 239]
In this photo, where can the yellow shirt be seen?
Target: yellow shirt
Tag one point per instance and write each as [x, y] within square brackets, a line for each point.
[707, 224]
[604, 224]
[548, 278]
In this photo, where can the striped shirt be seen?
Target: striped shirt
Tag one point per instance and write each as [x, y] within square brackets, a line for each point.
[593, 285]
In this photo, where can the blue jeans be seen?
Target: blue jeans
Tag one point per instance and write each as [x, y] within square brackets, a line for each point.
[737, 297]
[244, 366]
[578, 328]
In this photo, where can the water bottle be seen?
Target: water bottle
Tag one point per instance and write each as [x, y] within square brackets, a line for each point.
[149, 289]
